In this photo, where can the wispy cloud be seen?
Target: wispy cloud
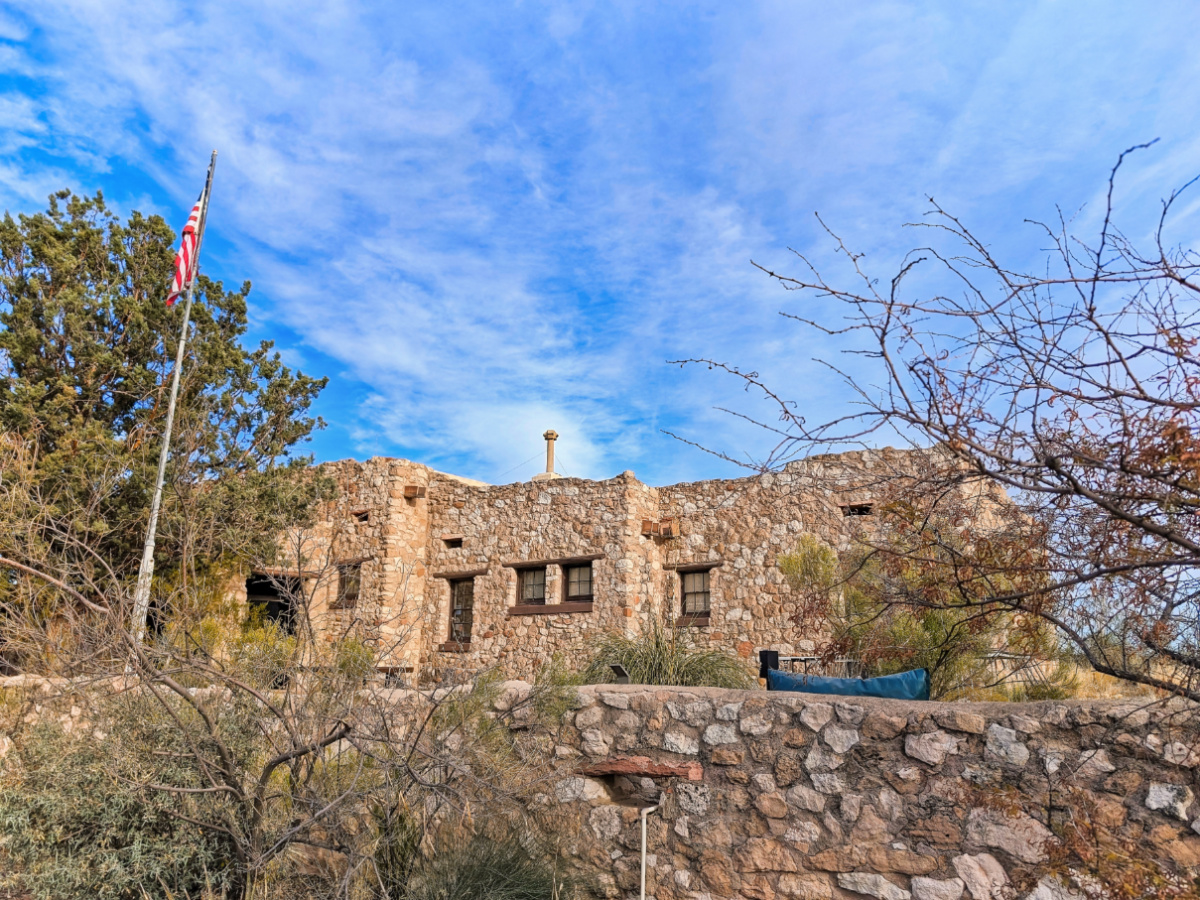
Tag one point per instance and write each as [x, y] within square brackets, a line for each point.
[493, 221]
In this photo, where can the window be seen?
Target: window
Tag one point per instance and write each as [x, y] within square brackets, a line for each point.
[532, 587]
[349, 581]
[579, 584]
[452, 541]
[857, 509]
[274, 598]
[361, 516]
[695, 593]
[462, 610]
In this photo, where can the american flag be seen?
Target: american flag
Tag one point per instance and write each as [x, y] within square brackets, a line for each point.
[185, 259]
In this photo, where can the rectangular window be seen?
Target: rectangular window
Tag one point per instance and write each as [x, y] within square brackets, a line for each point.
[579, 584]
[695, 593]
[349, 580]
[857, 509]
[462, 610]
[532, 586]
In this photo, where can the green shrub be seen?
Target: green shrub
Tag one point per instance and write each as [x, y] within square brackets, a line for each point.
[76, 824]
[263, 654]
[477, 868]
[657, 655]
[354, 659]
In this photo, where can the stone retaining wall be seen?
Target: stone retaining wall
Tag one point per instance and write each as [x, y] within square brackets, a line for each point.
[800, 796]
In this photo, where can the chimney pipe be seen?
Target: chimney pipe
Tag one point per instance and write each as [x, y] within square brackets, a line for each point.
[551, 436]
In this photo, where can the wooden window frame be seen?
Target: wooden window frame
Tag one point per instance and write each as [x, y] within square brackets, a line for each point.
[695, 614]
[339, 600]
[527, 572]
[590, 596]
[456, 643]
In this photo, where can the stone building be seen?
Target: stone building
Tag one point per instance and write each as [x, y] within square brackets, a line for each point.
[445, 572]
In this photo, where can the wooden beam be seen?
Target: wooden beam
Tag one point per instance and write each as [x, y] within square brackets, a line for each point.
[559, 561]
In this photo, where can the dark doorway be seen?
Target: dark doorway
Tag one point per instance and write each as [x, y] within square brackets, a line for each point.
[276, 596]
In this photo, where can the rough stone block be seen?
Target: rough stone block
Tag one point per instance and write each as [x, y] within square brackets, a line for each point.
[1021, 836]
[931, 748]
[840, 738]
[849, 713]
[1004, 745]
[693, 798]
[1093, 763]
[595, 742]
[728, 756]
[806, 798]
[695, 712]
[878, 726]
[828, 783]
[767, 855]
[816, 715]
[729, 712]
[764, 783]
[773, 806]
[819, 758]
[872, 885]
[1179, 754]
[677, 742]
[605, 822]
[756, 725]
[803, 834]
[937, 831]
[1170, 798]
[615, 700]
[936, 889]
[589, 717]
[984, 877]
[960, 720]
[720, 734]
[805, 887]
[795, 737]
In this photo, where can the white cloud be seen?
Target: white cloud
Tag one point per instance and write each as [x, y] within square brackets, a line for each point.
[503, 220]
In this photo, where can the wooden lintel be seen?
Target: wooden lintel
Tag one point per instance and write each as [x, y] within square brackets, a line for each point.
[454, 576]
[548, 609]
[558, 561]
[698, 566]
[643, 766]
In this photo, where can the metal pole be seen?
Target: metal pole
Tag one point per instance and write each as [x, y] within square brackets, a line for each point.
[645, 811]
[141, 596]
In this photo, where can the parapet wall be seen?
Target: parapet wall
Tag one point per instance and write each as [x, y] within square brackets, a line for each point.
[801, 796]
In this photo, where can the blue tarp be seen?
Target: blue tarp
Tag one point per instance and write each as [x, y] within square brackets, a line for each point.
[913, 685]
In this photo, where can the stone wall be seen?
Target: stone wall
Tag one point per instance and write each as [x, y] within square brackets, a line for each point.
[802, 796]
[415, 530]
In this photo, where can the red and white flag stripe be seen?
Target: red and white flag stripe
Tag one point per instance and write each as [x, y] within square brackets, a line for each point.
[185, 259]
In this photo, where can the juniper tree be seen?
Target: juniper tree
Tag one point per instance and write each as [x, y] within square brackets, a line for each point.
[86, 349]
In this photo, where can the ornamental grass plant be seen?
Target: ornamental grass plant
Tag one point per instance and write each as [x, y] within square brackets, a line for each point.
[662, 656]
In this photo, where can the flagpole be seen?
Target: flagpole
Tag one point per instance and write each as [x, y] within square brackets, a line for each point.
[141, 596]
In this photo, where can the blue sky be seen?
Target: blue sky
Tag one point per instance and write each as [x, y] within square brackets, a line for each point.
[485, 220]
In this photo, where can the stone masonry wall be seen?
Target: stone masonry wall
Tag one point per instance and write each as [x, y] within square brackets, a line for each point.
[412, 547]
[524, 522]
[803, 796]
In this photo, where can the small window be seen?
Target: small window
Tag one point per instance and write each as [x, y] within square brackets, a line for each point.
[532, 586]
[452, 542]
[275, 598]
[349, 582]
[462, 610]
[579, 584]
[696, 597]
[857, 509]
[361, 516]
